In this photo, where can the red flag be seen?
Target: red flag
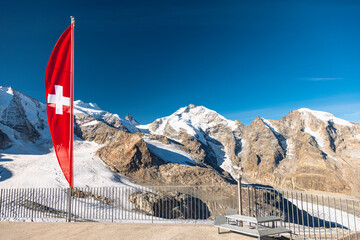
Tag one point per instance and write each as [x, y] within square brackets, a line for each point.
[59, 95]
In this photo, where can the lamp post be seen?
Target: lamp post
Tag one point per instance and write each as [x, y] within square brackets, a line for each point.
[240, 172]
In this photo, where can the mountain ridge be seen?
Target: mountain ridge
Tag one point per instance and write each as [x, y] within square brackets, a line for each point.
[304, 150]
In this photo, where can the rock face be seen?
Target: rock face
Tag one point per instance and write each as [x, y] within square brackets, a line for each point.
[176, 174]
[128, 154]
[122, 151]
[5, 141]
[22, 118]
[210, 138]
[181, 206]
[305, 150]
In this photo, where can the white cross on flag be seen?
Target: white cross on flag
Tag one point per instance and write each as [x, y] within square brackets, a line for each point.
[59, 96]
[58, 99]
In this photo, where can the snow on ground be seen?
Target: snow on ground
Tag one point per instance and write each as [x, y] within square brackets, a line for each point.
[343, 218]
[357, 136]
[169, 152]
[39, 169]
[143, 128]
[325, 117]
[316, 135]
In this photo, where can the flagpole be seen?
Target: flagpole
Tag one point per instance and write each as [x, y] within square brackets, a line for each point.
[72, 22]
[72, 19]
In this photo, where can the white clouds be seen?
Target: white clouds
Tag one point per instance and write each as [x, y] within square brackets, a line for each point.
[322, 79]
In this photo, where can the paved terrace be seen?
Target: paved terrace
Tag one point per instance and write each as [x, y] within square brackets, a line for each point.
[97, 231]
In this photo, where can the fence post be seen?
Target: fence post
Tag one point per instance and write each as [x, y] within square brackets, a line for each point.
[249, 201]
[33, 203]
[113, 205]
[240, 198]
[1, 201]
[69, 204]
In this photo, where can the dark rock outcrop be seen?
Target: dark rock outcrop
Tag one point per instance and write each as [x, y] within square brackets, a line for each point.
[179, 205]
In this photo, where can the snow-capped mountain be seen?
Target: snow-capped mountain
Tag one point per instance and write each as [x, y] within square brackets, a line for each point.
[22, 118]
[217, 138]
[305, 150]
[128, 124]
[27, 158]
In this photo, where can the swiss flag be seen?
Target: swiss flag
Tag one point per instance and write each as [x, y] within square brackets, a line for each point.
[59, 96]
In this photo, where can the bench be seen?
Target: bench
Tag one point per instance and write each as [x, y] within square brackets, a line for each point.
[222, 222]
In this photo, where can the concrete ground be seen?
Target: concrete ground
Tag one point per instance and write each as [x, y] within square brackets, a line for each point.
[108, 231]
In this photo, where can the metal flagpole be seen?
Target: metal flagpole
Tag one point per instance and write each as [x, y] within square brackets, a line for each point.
[240, 172]
[72, 22]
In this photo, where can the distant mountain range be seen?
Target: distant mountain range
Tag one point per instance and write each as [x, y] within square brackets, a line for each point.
[305, 150]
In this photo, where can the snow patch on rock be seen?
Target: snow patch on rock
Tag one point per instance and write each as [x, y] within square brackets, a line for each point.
[169, 152]
[195, 120]
[90, 123]
[324, 116]
[316, 135]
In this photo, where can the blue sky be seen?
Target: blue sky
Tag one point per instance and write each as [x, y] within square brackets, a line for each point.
[240, 58]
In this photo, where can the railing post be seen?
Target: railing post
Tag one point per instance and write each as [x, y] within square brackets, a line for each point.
[240, 198]
[69, 204]
[154, 207]
[1, 201]
[33, 205]
[113, 205]
[249, 200]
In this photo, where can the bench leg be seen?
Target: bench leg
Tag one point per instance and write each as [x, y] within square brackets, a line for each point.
[218, 230]
[290, 236]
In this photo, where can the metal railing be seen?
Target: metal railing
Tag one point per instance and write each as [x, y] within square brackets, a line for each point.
[309, 215]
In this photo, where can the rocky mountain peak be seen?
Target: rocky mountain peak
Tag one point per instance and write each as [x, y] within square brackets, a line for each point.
[191, 106]
[308, 114]
[131, 119]
[81, 104]
[8, 90]
[258, 121]
[21, 117]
